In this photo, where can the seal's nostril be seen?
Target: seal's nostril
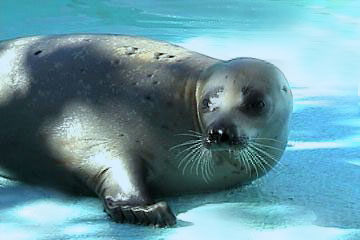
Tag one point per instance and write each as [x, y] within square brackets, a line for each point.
[215, 135]
[223, 136]
[219, 135]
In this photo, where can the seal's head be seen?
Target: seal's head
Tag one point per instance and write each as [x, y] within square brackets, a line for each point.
[243, 108]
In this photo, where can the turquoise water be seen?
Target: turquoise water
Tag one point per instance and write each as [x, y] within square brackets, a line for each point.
[314, 193]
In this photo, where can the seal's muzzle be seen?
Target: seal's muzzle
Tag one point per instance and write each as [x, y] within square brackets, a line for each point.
[222, 137]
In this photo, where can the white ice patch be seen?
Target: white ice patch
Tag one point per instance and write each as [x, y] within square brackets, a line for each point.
[45, 212]
[297, 145]
[355, 162]
[251, 222]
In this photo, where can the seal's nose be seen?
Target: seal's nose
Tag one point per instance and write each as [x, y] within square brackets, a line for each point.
[220, 135]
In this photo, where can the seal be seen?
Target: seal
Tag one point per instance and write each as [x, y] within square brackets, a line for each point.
[132, 119]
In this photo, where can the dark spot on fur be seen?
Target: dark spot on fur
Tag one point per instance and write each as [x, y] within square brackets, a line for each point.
[155, 82]
[148, 98]
[284, 88]
[137, 141]
[131, 51]
[121, 135]
[149, 75]
[171, 56]
[37, 52]
[82, 70]
[158, 54]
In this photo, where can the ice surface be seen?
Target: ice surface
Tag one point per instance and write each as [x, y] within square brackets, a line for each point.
[313, 194]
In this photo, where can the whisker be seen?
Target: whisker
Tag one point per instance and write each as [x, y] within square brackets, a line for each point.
[196, 161]
[191, 160]
[240, 159]
[185, 144]
[267, 146]
[246, 164]
[244, 157]
[269, 139]
[253, 162]
[194, 157]
[209, 164]
[194, 132]
[248, 161]
[265, 153]
[192, 150]
[188, 134]
[187, 149]
[262, 158]
[210, 157]
[201, 166]
[207, 175]
[203, 172]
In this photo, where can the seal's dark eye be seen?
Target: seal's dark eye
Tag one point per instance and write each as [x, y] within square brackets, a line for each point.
[205, 104]
[257, 105]
[212, 100]
[208, 105]
[254, 103]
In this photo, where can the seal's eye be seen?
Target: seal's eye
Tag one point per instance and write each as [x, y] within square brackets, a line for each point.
[205, 104]
[257, 105]
[212, 100]
[208, 105]
[254, 104]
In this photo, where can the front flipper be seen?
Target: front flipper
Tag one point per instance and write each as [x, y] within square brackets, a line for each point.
[158, 214]
[120, 185]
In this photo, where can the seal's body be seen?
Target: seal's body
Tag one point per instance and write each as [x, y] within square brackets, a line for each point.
[131, 118]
